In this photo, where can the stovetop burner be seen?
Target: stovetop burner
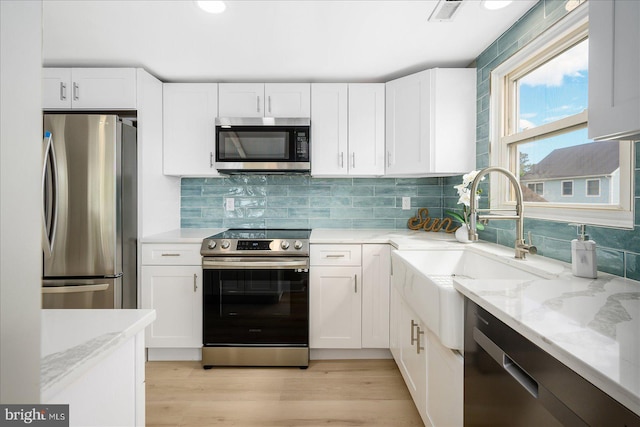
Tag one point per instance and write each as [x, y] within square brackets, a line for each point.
[257, 242]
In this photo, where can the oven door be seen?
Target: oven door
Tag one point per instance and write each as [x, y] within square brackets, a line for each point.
[256, 302]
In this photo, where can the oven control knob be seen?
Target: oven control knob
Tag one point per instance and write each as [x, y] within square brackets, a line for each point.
[225, 244]
[284, 245]
[212, 244]
[297, 244]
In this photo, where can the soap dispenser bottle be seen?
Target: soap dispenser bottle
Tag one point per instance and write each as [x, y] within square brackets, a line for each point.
[583, 254]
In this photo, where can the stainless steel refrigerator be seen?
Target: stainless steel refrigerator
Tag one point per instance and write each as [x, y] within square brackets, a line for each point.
[89, 212]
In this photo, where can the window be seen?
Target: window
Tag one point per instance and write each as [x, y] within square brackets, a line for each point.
[593, 187]
[539, 100]
[536, 187]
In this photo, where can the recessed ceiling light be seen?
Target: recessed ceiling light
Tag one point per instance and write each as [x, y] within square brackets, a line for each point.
[212, 6]
[495, 4]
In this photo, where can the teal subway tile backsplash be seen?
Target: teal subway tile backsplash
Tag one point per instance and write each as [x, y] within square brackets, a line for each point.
[301, 201]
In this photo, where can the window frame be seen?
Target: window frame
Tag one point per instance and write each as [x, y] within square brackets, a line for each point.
[535, 184]
[586, 187]
[563, 35]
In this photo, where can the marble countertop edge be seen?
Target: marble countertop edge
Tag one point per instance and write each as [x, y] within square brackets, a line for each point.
[62, 366]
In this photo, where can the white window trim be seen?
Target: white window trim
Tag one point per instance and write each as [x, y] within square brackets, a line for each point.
[586, 187]
[562, 188]
[499, 194]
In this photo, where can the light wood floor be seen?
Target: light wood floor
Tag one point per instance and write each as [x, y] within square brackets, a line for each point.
[328, 393]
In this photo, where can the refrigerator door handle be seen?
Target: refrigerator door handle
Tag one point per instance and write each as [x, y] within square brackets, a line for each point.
[49, 218]
[74, 289]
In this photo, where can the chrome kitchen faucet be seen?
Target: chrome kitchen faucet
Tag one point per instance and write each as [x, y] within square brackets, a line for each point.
[521, 247]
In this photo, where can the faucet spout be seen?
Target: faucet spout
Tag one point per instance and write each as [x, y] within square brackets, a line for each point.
[521, 248]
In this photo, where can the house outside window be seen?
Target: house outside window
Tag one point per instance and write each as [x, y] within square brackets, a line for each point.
[539, 113]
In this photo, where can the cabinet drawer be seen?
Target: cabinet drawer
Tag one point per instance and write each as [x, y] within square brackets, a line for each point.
[171, 254]
[336, 255]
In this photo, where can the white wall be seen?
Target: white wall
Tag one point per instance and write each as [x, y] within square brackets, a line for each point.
[20, 199]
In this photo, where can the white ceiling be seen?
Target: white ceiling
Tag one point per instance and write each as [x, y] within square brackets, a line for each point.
[270, 41]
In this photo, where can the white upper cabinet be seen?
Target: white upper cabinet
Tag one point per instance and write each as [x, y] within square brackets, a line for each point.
[287, 99]
[431, 123]
[89, 88]
[264, 100]
[329, 131]
[347, 129]
[614, 69]
[189, 112]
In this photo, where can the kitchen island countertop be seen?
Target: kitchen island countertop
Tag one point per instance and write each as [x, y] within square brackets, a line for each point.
[73, 341]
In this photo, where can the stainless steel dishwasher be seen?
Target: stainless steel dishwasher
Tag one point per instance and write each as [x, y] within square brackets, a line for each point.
[509, 381]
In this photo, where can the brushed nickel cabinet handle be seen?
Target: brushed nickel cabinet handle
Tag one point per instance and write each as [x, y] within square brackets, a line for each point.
[195, 286]
[76, 91]
[166, 254]
[418, 340]
[63, 91]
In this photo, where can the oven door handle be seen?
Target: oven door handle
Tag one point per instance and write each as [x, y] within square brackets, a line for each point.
[254, 263]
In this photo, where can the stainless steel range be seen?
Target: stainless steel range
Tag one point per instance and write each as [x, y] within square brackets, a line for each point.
[256, 298]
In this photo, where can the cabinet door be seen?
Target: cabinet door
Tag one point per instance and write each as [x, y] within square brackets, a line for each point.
[56, 88]
[175, 292]
[452, 138]
[394, 324]
[189, 110]
[287, 100]
[376, 270]
[329, 129]
[445, 388]
[614, 67]
[335, 307]
[103, 88]
[413, 358]
[366, 129]
[407, 125]
[241, 99]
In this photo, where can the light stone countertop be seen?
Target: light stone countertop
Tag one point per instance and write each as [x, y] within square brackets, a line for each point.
[74, 341]
[182, 235]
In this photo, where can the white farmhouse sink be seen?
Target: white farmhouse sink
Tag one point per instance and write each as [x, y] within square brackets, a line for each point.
[425, 279]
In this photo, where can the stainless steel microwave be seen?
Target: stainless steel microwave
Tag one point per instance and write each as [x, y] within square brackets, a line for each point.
[262, 145]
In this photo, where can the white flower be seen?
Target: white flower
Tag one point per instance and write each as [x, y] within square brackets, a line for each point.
[464, 198]
[469, 177]
[464, 192]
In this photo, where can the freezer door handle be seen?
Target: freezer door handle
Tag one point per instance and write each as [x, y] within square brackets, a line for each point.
[50, 191]
[74, 289]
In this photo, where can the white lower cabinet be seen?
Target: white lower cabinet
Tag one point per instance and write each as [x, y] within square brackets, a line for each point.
[433, 373]
[172, 285]
[445, 384]
[335, 307]
[412, 357]
[349, 296]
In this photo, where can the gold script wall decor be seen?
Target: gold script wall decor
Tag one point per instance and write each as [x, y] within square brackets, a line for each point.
[422, 220]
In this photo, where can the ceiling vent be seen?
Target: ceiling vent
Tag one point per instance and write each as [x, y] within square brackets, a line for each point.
[445, 10]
